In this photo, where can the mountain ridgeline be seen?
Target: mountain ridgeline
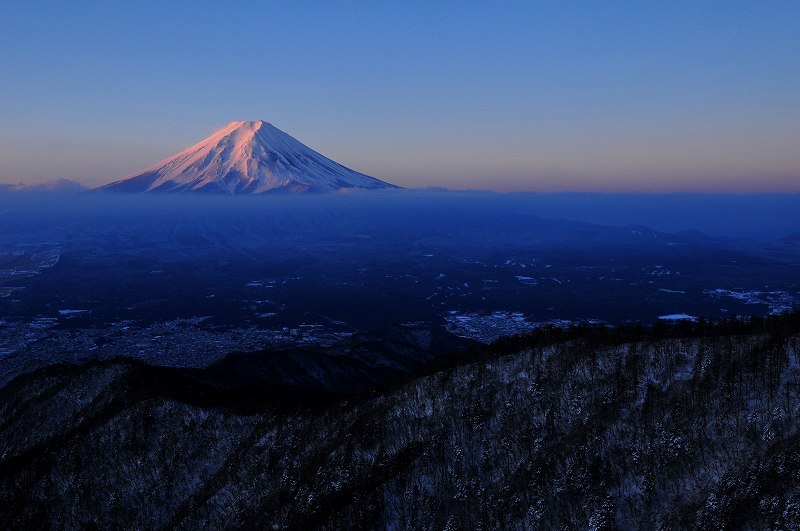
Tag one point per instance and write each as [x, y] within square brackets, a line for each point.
[687, 426]
[247, 157]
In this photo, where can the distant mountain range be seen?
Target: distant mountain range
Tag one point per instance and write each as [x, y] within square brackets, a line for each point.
[247, 157]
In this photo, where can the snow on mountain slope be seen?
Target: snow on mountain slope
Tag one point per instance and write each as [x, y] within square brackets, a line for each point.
[247, 157]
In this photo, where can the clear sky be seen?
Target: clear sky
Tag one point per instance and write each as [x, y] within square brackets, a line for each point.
[542, 96]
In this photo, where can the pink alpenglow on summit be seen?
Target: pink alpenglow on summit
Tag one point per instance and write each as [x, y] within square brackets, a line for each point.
[247, 158]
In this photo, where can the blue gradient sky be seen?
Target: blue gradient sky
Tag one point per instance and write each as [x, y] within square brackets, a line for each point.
[542, 96]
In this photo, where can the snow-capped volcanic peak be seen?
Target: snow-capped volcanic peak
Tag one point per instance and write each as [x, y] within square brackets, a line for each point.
[247, 158]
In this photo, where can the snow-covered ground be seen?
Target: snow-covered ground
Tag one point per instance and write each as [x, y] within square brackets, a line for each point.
[489, 327]
[678, 317]
[777, 301]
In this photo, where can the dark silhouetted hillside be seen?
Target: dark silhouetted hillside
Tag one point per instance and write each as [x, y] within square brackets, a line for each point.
[694, 426]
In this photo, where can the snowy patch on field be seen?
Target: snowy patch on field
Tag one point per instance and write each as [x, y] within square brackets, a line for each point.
[777, 301]
[678, 317]
[71, 313]
[489, 327]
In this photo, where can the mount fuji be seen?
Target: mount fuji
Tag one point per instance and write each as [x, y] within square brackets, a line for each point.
[247, 157]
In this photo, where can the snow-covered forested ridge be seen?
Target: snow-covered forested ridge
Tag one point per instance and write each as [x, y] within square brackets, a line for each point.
[676, 427]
